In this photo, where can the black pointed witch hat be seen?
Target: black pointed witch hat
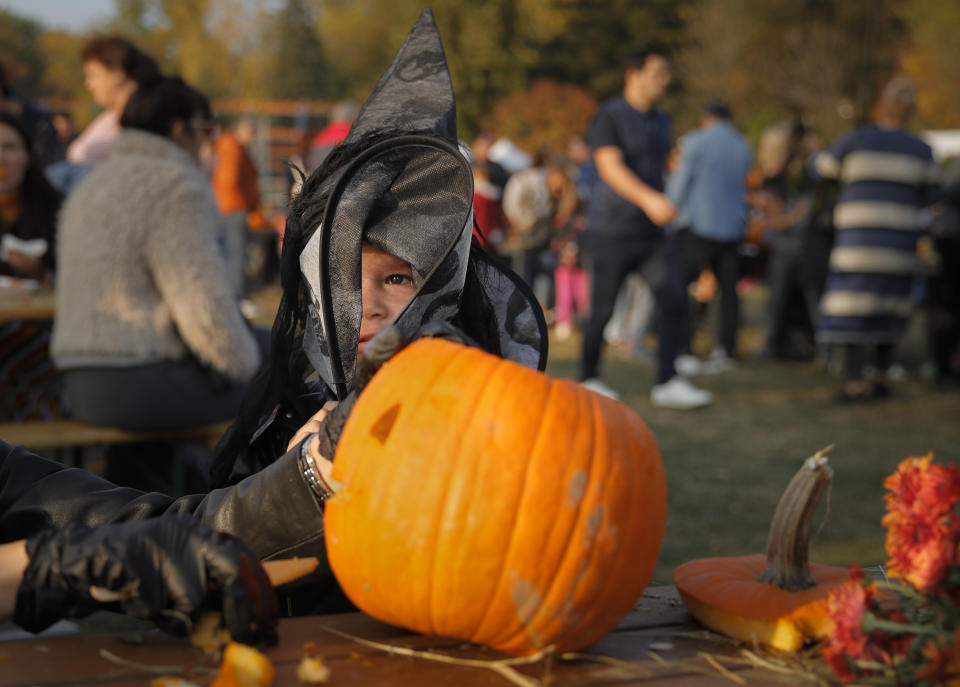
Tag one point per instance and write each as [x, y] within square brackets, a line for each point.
[411, 194]
[415, 94]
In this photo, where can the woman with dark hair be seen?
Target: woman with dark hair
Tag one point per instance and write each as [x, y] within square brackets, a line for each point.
[378, 251]
[148, 333]
[113, 68]
[29, 384]
[28, 206]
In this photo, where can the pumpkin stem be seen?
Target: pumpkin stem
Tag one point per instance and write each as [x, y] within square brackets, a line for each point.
[788, 545]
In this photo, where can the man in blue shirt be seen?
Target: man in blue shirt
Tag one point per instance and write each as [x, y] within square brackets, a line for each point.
[630, 139]
[709, 189]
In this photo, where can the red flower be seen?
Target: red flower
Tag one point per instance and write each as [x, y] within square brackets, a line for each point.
[847, 642]
[923, 541]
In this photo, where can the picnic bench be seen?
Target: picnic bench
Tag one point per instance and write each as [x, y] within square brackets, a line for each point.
[56, 434]
[69, 437]
[18, 304]
[657, 643]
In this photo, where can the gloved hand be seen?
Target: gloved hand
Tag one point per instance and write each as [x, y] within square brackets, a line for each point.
[386, 344]
[168, 570]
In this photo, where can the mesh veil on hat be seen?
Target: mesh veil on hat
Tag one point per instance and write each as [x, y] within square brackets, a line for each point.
[410, 194]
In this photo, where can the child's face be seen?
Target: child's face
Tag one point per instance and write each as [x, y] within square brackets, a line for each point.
[386, 286]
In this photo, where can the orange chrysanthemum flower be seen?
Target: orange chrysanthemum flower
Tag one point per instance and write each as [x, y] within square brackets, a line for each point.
[921, 488]
[941, 662]
[922, 527]
[921, 551]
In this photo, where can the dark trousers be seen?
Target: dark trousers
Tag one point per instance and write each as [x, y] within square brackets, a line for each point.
[157, 397]
[697, 253]
[855, 358]
[163, 396]
[171, 395]
[791, 308]
[611, 260]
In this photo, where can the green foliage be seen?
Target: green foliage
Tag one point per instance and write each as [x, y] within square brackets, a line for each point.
[597, 36]
[793, 58]
[771, 59]
[19, 55]
[299, 67]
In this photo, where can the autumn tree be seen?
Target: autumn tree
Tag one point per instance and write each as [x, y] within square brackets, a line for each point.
[932, 59]
[544, 116]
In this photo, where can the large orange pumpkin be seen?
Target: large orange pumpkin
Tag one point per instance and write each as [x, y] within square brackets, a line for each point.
[485, 501]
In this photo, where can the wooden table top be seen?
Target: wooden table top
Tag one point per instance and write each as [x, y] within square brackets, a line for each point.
[658, 643]
[17, 304]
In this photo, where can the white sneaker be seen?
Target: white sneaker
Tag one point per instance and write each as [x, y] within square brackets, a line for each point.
[688, 365]
[897, 373]
[596, 385]
[717, 364]
[562, 331]
[680, 394]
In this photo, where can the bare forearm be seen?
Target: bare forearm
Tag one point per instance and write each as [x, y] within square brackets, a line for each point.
[625, 183]
[622, 180]
[13, 561]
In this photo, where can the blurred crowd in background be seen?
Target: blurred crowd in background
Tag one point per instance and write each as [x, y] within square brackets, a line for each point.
[777, 205]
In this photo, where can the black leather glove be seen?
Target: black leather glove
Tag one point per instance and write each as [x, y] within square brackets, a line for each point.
[168, 570]
[386, 344]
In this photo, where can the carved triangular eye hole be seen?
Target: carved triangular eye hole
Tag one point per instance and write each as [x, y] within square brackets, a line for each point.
[381, 428]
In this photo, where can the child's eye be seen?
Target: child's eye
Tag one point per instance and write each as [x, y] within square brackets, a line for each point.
[399, 279]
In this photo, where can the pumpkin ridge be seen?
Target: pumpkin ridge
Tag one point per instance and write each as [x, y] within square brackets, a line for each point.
[501, 581]
[576, 634]
[640, 474]
[496, 372]
[457, 359]
[388, 599]
[362, 461]
[537, 619]
[481, 506]
[593, 408]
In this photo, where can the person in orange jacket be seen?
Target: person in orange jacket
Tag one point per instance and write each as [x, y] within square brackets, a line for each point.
[237, 190]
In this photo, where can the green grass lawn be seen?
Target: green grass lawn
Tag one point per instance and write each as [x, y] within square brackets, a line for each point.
[727, 464]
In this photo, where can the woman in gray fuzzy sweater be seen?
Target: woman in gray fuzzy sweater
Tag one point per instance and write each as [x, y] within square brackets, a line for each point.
[147, 331]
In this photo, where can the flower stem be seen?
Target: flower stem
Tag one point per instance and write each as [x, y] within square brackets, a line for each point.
[872, 622]
[903, 589]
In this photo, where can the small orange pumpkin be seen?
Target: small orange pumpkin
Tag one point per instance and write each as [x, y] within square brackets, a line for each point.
[485, 501]
[778, 600]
